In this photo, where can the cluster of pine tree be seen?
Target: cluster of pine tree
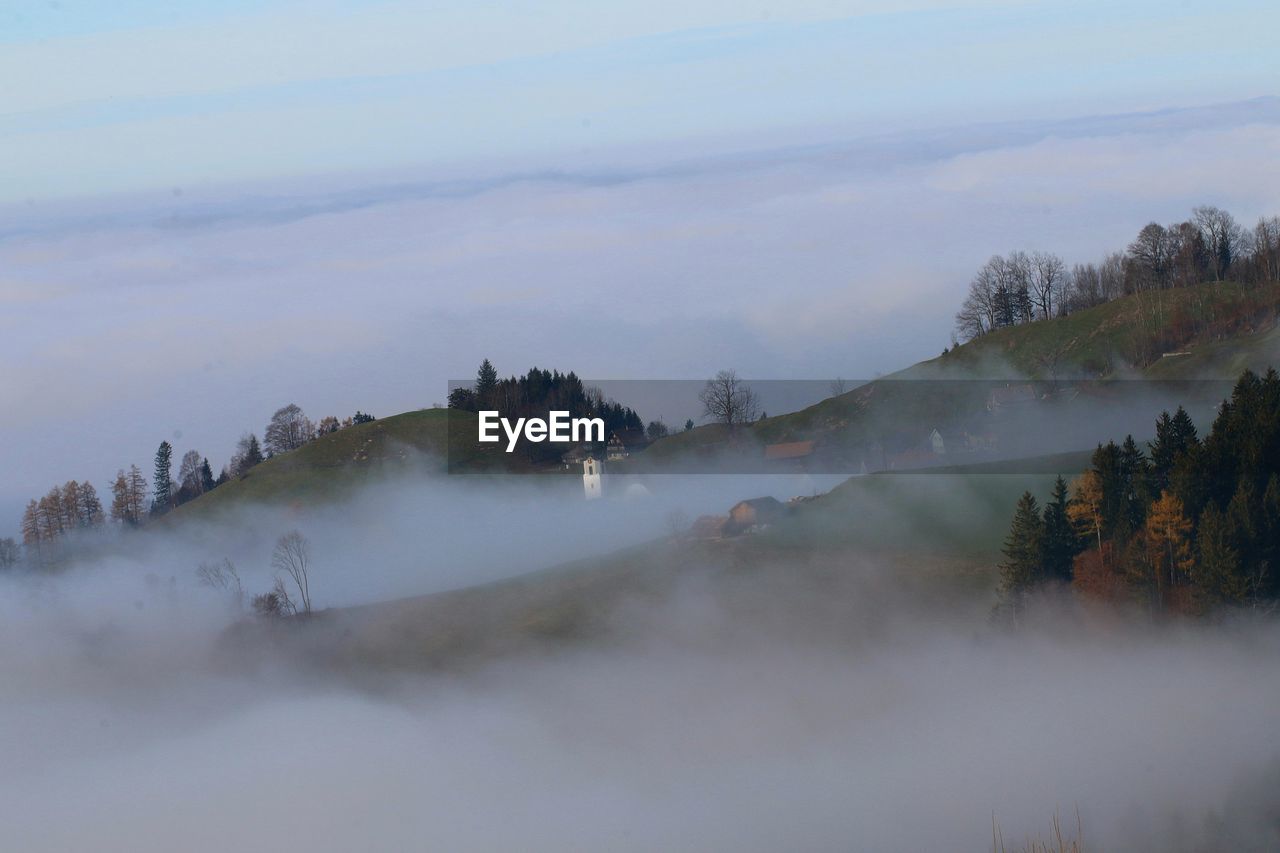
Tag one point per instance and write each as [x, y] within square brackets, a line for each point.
[537, 393]
[1194, 525]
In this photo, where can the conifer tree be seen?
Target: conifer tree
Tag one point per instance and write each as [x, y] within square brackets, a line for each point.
[1218, 577]
[486, 383]
[120, 498]
[1059, 543]
[91, 514]
[1021, 568]
[163, 478]
[31, 524]
[207, 483]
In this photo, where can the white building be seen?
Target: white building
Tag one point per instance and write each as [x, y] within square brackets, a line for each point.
[591, 477]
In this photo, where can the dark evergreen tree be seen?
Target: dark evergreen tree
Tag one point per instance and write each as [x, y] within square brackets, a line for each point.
[688, 425]
[1059, 544]
[252, 454]
[1135, 473]
[486, 383]
[207, 483]
[463, 399]
[1219, 578]
[161, 484]
[1021, 569]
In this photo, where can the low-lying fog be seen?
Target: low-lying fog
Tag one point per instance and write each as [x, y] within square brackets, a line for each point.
[778, 709]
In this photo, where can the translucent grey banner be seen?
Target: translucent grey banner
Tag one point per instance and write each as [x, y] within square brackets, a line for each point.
[552, 423]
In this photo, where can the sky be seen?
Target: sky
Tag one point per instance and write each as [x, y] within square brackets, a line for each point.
[211, 210]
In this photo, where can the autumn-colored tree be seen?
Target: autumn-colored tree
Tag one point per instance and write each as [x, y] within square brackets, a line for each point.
[72, 505]
[31, 524]
[1085, 508]
[1168, 540]
[91, 514]
[128, 496]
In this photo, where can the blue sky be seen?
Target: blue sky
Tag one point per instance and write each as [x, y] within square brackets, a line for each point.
[138, 95]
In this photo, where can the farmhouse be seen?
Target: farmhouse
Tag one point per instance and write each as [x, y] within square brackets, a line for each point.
[708, 527]
[754, 514]
[623, 443]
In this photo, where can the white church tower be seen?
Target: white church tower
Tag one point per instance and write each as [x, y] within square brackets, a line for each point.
[591, 477]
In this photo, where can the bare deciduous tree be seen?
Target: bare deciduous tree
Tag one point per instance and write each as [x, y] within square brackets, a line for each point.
[222, 576]
[289, 429]
[189, 472]
[1222, 237]
[728, 400]
[837, 387]
[293, 557]
[1048, 276]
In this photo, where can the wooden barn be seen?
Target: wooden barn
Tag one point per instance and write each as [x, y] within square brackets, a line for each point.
[753, 514]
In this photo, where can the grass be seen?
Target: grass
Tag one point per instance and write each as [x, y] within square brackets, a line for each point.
[1057, 842]
[423, 442]
[1222, 328]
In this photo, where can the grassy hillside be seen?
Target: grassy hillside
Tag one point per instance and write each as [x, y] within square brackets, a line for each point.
[1127, 335]
[932, 541]
[1208, 331]
[329, 467]
[1215, 330]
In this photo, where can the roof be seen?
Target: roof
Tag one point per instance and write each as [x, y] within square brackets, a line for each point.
[576, 454]
[768, 503]
[629, 437]
[788, 450]
[708, 526]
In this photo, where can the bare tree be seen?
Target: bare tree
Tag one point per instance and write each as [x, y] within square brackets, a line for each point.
[837, 387]
[9, 554]
[293, 557]
[222, 576]
[1223, 238]
[1017, 274]
[275, 603]
[1266, 248]
[189, 473]
[728, 400]
[1149, 258]
[288, 430]
[1047, 275]
[677, 522]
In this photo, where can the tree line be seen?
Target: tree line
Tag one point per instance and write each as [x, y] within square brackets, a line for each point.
[1211, 246]
[74, 507]
[540, 391]
[1188, 526]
